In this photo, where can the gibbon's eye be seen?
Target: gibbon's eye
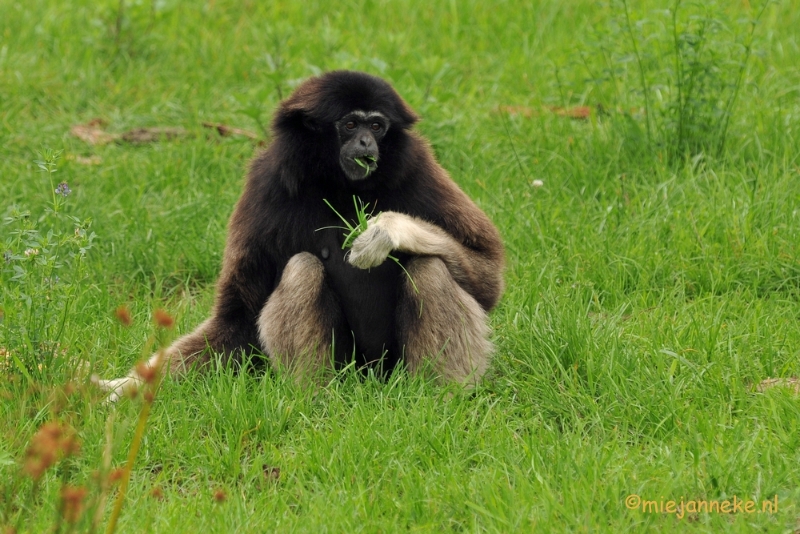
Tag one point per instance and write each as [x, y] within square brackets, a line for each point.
[350, 125]
[376, 126]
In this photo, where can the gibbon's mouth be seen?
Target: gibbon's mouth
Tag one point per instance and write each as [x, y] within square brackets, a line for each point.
[367, 163]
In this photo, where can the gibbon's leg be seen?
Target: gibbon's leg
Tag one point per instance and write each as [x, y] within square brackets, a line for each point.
[190, 350]
[195, 349]
[442, 328]
[297, 324]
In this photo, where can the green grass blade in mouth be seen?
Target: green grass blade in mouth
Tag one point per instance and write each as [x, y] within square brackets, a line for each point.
[364, 162]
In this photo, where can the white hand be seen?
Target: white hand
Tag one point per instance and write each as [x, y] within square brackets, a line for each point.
[371, 248]
[118, 387]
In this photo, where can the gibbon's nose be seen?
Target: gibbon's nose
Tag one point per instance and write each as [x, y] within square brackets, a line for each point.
[366, 141]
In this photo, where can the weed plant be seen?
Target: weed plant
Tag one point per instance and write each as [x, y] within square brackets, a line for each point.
[673, 75]
[44, 268]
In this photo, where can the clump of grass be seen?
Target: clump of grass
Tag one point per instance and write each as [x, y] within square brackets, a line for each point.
[55, 448]
[52, 455]
[353, 231]
[675, 75]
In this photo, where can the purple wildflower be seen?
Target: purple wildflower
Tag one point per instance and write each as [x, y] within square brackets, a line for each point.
[63, 189]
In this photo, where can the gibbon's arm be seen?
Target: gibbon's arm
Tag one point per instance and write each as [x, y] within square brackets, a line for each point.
[479, 273]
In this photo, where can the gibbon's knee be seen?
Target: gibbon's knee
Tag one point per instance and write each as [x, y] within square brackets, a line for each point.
[296, 324]
[443, 328]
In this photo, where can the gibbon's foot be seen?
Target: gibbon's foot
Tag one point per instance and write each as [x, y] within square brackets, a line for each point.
[117, 387]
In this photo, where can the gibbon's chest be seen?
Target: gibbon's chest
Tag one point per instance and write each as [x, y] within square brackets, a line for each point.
[368, 297]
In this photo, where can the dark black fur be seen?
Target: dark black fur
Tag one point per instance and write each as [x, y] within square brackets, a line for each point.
[282, 212]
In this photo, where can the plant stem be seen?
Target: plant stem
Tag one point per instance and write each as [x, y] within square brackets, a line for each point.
[643, 81]
[141, 426]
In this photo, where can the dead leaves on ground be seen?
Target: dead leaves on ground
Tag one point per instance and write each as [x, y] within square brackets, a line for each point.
[94, 133]
[580, 113]
[791, 383]
[225, 131]
[85, 160]
[574, 112]
[151, 135]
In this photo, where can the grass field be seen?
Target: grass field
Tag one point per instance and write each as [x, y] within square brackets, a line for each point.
[653, 279]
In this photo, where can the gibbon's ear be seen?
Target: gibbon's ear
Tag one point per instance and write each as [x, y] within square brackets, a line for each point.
[297, 111]
[407, 117]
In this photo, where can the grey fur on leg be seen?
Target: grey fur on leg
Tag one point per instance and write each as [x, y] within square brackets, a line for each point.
[444, 328]
[296, 324]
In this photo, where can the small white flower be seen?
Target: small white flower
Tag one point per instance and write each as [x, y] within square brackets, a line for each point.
[31, 252]
[537, 183]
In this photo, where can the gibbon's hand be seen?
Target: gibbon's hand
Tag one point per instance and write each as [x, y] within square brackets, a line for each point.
[117, 387]
[128, 385]
[385, 233]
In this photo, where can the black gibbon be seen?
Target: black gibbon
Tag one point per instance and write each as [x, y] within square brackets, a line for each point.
[289, 289]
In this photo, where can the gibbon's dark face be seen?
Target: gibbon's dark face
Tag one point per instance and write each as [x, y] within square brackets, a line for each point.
[360, 134]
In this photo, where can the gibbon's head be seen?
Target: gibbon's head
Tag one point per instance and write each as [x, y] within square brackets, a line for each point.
[350, 120]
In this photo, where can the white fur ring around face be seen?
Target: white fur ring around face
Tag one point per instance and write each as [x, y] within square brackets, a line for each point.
[371, 248]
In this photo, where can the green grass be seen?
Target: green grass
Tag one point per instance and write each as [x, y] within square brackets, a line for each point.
[648, 291]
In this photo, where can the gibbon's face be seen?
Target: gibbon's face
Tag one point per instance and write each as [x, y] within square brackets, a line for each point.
[360, 134]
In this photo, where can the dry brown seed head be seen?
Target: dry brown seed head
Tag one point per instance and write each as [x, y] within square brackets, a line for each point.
[163, 319]
[146, 373]
[123, 315]
[51, 442]
[72, 503]
[116, 475]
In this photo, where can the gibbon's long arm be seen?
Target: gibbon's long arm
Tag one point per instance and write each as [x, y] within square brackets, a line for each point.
[392, 231]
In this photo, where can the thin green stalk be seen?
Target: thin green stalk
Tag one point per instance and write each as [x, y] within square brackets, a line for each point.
[141, 426]
[514, 149]
[134, 450]
[643, 81]
[105, 470]
[737, 87]
[678, 67]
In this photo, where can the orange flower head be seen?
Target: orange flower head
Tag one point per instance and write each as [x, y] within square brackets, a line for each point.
[72, 503]
[147, 373]
[123, 315]
[51, 442]
[163, 319]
